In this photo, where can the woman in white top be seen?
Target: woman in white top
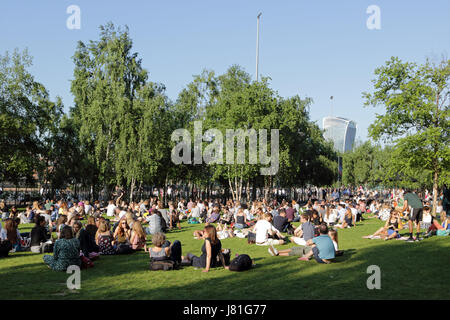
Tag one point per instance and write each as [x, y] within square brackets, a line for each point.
[427, 219]
[330, 217]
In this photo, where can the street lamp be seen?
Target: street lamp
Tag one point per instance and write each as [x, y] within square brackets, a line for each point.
[257, 44]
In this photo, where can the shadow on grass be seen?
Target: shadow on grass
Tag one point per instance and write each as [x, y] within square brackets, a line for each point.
[406, 273]
[403, 266]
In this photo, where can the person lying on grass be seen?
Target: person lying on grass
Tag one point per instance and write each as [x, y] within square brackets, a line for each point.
[322, 247]
[391, 229]
[211, 249]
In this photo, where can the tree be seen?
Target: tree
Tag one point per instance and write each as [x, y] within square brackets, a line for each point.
[28, 120]
[417, 116]
[233, 101]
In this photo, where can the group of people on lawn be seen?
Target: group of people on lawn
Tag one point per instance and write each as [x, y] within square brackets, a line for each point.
[122, 231]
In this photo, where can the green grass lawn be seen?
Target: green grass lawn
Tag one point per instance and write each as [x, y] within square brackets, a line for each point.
[417, 270]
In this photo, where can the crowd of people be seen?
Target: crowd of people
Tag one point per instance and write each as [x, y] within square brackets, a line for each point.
[77, 232]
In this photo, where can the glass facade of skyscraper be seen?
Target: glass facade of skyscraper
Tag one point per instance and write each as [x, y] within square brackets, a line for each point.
[341, 131]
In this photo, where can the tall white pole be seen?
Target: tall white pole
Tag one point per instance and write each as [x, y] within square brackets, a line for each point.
[257, 45]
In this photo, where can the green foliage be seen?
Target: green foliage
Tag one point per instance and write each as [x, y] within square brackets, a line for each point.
[233, 101]
[119, 130]
[122, 117]
[28, 119]
[417, 118]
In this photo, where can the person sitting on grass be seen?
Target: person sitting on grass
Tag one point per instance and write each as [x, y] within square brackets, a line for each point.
[104, 239]
[163, 250]
[334, 237]
[330, 216]
[13, 213]
[211, 249]
[154, 223]
[224, 232]
[349, 220]
[241, 219]
[198, 234]
[91, 227]
[72, 216]
[174, 219]
[215, 215]
[322, 247]
[25, 217]
[87, 244]
[427, 219]
[138, 237]
[280, 222]
[60, 223]
[227, 217]
[122, 233]
[435, 226]
[39, 235]
[391, 228]
[66, 252]
[304, 232]
[11, 233]
[315, 218]
[263, 229]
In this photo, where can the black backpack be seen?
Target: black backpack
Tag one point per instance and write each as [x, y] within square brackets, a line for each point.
[124, 248]
[241, 263]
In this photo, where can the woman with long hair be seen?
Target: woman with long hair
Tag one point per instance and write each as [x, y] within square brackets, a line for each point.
[91, 227]
[11, 233]
[391, 228]
[138, 237]
[104, 239]
[349, 220]
[211, 249]
[63, 209]
[123, 232]
[60, 223]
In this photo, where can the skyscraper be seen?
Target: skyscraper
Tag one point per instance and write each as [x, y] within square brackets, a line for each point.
[341, 131]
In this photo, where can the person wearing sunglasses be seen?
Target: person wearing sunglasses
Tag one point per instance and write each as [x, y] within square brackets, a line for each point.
[122, 234]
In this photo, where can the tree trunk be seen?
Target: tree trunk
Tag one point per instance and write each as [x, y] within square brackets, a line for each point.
[133, 184]
[435, 189]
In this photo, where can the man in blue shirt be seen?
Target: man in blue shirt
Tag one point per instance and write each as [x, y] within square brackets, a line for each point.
[323, 248]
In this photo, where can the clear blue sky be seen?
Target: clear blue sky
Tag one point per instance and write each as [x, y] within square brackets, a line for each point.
[311, 48]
